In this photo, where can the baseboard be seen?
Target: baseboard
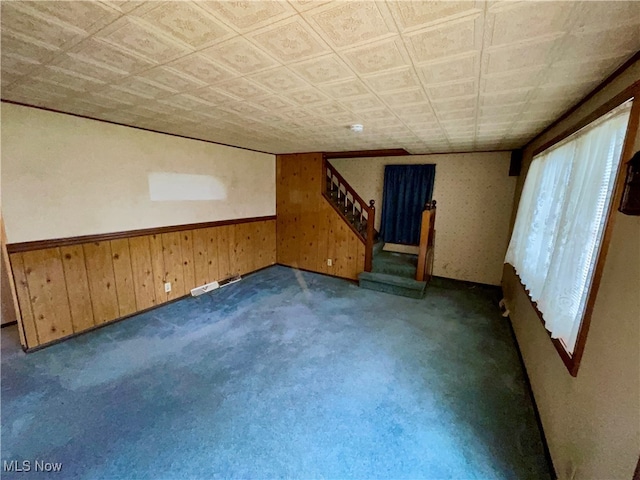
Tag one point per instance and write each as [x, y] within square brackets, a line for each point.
[545, 445]
[120, 319]
[319, 273]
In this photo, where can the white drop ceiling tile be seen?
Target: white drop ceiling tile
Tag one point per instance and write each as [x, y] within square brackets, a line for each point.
[123, 6]
[279, 79]
[514, 22]
[416, 14]
[290, 40]
[398, 100]
[213, 96]
[143, 88]
[490, 110]
[7, 79]
[29, 88]
[304, 5]
[78, 107]
[105, 102]
[186, 22]
[243, 109]
[469, 113]
[453, 89]
[137, 38]
[377, 57]
[327, 109]
[185, 102]
[521, 56]
[624, 40]
[202, 68]
[69, 79]
[345, 89]
[107, 56]
[25, 47]
[346, 119]
[248, 15]
[560, 92]
[306, 96]
[532, 71]
[401, 79]
[18, 18]
[584, 69]
[344, 24]
[171, 79]
[444, 40]
[87, 16]
[604, 15]
[466, 122]
[90, 69]
[362, 104]
[418, 109]
[121, 96]
[455, 104]
[274, 103]
[323, 69]
[17, 64]
[506, 98]
[521, 79]
[240, 56]
[460, 67]
[242, 88]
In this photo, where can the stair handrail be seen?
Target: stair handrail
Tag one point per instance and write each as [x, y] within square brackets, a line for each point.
[427, 241]
[367, 212]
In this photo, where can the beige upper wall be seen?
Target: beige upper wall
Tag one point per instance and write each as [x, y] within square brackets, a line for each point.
[592, 421]
[66, 176]
[474, 194]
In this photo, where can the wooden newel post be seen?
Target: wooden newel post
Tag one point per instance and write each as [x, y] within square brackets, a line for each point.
[427, 237]
[368, 251]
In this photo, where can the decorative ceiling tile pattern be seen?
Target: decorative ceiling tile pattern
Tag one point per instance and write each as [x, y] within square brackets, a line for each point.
[290, 76]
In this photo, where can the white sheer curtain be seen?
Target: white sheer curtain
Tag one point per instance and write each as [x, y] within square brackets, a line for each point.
[560, 221]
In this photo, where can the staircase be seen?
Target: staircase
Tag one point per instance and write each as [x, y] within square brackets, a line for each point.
[401, 273]
[357, 214]
[396, 273]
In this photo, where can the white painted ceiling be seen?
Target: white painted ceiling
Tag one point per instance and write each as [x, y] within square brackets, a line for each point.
[293, 76]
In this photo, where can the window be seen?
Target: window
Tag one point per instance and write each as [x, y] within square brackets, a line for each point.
[561, 219]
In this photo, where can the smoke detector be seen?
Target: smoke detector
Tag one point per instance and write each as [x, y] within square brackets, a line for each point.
[357, 128]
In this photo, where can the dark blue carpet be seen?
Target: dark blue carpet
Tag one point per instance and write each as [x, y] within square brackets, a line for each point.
[284, 374]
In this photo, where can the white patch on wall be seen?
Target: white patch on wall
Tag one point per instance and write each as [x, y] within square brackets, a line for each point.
[172, 187]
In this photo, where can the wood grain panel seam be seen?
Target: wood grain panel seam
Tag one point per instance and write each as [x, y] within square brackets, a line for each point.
[91, 300]
[66, 287]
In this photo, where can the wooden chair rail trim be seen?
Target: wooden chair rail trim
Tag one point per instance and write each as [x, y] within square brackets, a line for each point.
[102, 237]
[334, 206]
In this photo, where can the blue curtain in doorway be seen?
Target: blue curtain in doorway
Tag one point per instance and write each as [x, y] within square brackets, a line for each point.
[406, 189]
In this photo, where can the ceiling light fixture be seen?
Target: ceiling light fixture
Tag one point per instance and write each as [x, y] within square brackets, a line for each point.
[356, 128]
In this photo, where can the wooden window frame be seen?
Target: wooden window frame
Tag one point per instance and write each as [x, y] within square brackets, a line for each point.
[572, 360]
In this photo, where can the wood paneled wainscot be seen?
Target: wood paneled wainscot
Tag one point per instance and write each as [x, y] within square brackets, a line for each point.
[72, 285]
[310, 231]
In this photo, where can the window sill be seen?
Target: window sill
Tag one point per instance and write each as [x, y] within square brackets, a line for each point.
[570, 361]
